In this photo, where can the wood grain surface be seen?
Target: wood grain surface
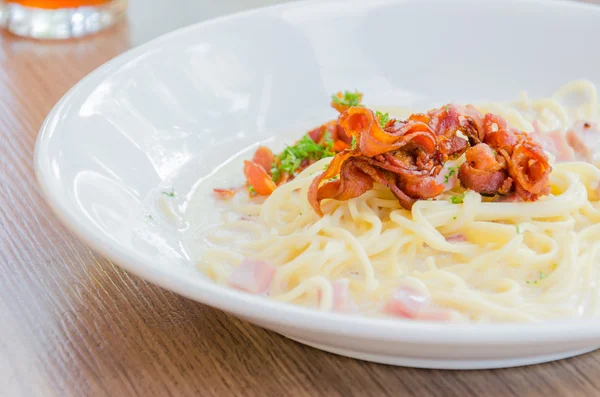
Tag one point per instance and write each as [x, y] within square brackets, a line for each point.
[73, 324]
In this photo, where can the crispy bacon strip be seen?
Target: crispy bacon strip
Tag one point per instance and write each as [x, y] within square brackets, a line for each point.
[452, 147]
[341, 107]
[530, 168]
[471, 125]
[390, 180]
[484, 172]
[498, 135]
[352, 181]
[374, 140]
[406, 156]
[444, 121]
[336, 132]
[421, 187]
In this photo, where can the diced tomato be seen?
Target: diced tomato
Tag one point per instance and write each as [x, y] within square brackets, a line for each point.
[258, 178]
[264, 157]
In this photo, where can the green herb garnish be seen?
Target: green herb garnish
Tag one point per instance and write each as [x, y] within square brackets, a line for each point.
[348, 99]
[542, 276]
[354, 142]
[305, 149]
[382, 118]
[495, 153]
[451, 171]
[328, 142]
[519, 230]
[169, 194]
[458, 199]
[447, 108]
[251, 190]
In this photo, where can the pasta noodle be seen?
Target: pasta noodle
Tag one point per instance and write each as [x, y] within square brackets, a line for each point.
[478, 260]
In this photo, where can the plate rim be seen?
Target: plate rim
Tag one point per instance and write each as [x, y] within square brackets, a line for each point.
[269, 311]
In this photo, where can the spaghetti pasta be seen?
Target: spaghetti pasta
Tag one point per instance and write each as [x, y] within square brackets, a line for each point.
[473, 259]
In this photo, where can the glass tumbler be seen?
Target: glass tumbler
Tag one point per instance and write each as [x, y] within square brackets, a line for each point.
[59, 19]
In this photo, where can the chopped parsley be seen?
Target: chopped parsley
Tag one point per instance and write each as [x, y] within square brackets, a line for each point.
[495, 153]
[169, 194]
[541, 277]
[447, 108]
[305, 149]
[451, 171]
[354, 142]
[335, 178]
[382, 118]
[458, 199]
[348, 98]
[519, 230]
[454, 218]
[251, 190]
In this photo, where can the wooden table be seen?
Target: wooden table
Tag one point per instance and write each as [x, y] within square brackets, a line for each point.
[74, 324]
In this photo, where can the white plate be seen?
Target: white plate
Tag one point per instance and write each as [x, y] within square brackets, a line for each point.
[169, 112]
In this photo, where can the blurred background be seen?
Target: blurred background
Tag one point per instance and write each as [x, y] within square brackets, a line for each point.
[177, 13]
[147, 18]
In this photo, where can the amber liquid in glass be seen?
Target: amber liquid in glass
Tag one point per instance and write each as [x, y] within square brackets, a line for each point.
[59, 19]
[56, 4]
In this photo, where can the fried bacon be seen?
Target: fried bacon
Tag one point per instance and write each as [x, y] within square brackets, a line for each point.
[484, 171]
[471, 125]
[336, 133]
[259, 171]
[373, 140]
[344, 101]
[352, 181]
[518, 163]
[529, 167]
[407, 157]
